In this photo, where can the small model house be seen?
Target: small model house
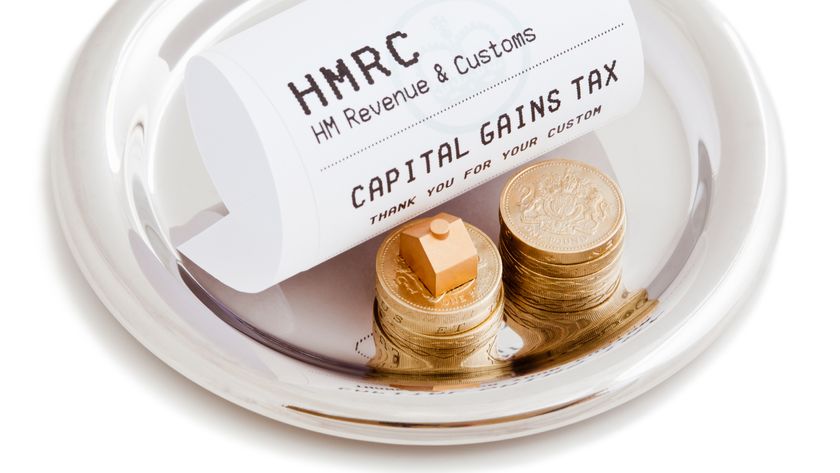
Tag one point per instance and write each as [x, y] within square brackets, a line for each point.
[441, 252]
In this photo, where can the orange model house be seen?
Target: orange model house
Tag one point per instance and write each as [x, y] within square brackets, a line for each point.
[441, 252]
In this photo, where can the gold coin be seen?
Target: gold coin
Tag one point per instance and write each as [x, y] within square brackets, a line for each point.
[414, 307]
[475, 336]
[521, 269]
[564, 289]
[563, 212]
[549, 306]
[517, 269]
[560, 270]
[432, 325]
[549, 295]
[397, 352]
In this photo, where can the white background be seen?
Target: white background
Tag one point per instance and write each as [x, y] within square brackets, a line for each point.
[79, 392]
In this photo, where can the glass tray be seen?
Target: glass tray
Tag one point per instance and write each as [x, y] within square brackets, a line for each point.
[700, 162]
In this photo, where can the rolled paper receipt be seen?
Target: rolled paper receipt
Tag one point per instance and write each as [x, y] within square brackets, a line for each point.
[333, 122]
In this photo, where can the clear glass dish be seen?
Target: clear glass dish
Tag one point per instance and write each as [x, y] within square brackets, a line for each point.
[700, 161]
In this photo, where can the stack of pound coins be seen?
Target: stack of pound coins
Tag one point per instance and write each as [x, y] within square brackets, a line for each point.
[561, 242]
[419, 336]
